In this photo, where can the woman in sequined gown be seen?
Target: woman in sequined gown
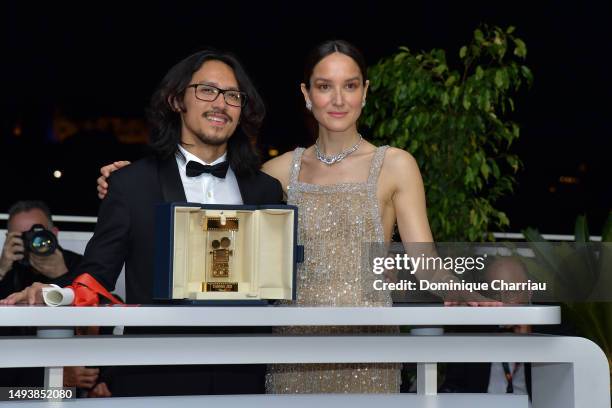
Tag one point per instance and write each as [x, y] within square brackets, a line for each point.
[342, 206]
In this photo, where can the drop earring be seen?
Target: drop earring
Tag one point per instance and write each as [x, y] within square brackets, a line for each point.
[363, 103]
[309, 105]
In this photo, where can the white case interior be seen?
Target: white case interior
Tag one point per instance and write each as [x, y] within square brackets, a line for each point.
[263, 263]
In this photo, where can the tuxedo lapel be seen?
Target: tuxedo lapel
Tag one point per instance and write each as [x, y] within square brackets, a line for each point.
[170, 181]
[245, 185]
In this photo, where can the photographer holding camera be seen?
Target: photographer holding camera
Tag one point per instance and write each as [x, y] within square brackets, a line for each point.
[31, 253]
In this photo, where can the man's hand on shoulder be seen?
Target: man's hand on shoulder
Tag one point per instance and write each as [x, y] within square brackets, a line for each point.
[105, 172]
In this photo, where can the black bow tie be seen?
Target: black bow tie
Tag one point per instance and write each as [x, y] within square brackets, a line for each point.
[219, 170]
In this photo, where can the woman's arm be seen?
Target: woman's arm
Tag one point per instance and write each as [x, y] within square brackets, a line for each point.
[411, 211]
[408, 196]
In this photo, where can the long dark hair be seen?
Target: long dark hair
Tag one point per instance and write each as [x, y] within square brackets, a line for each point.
[166, 122]
[329, 47]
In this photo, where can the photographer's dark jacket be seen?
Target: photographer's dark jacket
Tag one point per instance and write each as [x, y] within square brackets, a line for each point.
[21, 276]
[18, 278]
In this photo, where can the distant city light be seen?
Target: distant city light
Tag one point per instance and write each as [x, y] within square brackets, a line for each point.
[57, 174]
[569, 180]
[273, 152]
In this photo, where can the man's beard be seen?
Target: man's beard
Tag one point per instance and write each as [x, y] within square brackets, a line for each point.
[212, 140]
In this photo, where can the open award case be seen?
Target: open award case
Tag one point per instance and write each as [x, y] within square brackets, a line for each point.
[223, 254]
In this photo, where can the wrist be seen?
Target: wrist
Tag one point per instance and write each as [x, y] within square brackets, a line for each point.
[3, 271]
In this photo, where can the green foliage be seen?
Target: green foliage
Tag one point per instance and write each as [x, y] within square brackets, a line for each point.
[452, 121]
[593, 320]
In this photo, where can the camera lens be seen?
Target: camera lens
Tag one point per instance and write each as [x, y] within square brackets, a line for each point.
[42, 244]
[40, 241]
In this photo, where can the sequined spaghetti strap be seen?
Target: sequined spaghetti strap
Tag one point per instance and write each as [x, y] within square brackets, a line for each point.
[296, 164]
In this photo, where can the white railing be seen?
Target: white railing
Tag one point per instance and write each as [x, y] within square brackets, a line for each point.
[497, 235]
[65, 218]
[549, 237]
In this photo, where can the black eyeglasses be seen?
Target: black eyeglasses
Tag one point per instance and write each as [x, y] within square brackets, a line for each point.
[209, 93]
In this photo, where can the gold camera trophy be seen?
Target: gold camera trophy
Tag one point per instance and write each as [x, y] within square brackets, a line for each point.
[229, 253]
[221, 233]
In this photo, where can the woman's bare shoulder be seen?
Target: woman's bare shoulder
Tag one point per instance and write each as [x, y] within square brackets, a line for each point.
[400, 162]
[278, 167]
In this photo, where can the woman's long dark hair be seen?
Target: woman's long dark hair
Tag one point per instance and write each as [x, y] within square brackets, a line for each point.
[329, 47]
[166, 122]
[315, 55]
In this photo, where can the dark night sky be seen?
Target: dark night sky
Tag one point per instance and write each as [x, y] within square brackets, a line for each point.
[94, 59]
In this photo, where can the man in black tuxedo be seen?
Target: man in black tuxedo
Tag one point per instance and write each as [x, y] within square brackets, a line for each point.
[205, 115]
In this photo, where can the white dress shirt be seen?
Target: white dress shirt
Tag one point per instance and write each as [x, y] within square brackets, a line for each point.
[206, 188]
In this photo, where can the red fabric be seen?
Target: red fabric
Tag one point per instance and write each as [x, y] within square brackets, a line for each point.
[86, 290]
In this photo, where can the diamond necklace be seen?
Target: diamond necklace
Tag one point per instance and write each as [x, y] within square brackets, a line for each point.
[335, 158]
